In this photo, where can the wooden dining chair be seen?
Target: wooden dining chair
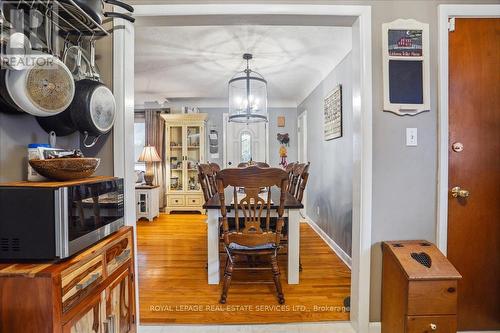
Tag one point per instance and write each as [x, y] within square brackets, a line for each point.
[298, 175]
[259, 164]
[206, 177]
[303, 171]
[215, 167]
[289, 171]
[251, 237]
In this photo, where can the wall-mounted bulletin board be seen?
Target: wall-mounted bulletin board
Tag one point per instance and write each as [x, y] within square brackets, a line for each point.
[405, 66]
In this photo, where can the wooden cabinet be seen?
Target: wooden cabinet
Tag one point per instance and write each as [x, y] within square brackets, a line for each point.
[419, 289]
[185, 145]
[148, 202]
[92, 292]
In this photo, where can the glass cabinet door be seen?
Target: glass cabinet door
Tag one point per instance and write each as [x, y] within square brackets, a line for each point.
[193, 156]
[175, 141]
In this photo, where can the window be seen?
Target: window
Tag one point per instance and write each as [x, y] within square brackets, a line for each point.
[245, 146]
[139, 141]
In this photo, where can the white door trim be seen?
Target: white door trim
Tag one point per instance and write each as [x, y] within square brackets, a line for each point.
[445, 12]
[302, 150]
[362, 118]
[123, 141]
[225, 117]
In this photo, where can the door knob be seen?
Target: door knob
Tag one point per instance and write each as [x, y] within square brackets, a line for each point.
[458, 192]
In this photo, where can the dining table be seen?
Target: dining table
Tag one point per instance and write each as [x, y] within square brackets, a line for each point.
[292, 212]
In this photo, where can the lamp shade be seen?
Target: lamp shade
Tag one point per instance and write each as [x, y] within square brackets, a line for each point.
[149, 154]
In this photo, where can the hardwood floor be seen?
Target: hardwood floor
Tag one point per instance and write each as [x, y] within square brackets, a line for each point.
[172, 254]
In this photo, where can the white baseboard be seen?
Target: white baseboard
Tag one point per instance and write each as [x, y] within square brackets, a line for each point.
[374, 327]
[334, 246]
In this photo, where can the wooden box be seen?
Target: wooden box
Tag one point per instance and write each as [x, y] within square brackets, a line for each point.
[92, 292]
[419, 289]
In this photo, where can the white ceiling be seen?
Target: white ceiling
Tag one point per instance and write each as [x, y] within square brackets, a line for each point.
[195, 62]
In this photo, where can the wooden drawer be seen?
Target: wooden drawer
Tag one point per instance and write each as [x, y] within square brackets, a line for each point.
[175, 200]
[431, 324]
[77, 282]
[432, 297]
[118, 253]
[194, 200]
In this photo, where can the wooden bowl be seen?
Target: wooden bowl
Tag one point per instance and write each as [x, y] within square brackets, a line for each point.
[66, 168]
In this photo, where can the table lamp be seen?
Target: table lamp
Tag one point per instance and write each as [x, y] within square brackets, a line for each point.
[149, 155]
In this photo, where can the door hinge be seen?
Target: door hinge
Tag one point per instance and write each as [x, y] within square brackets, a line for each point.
[132, 277]
[133, 319]
[451, 24]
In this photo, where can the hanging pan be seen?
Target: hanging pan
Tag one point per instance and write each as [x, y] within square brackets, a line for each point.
[92, 111]
[43, 87]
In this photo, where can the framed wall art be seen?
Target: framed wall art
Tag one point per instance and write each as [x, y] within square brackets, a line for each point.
[333, 114]
[405, 45]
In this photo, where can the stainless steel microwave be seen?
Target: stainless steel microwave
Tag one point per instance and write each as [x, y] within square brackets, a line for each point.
[40, 222]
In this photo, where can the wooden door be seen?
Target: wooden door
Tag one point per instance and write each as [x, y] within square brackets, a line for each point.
[120, 304]
[474, 166]
[89, 319]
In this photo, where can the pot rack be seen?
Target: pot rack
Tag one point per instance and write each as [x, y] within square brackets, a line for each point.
[70, 19]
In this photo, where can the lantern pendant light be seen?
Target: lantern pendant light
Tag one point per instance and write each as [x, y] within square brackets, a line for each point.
[248, 96]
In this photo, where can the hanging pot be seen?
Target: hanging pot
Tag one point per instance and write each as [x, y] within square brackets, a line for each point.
[93, 110]
[61, 124]
[42, 90]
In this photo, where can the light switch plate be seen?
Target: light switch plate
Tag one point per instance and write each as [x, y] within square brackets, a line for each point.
[411, 137]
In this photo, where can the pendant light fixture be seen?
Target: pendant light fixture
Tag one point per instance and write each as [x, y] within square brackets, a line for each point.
[248, 96]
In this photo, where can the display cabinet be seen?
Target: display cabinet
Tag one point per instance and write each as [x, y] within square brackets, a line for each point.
[185, 146]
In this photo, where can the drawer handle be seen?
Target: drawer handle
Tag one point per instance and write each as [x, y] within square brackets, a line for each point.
[122, 257]
[92, 279]
[433, 327]
[194, 200]
[109, 324]
[451, 290]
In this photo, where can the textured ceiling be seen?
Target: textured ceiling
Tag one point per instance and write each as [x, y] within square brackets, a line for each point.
[195, 62]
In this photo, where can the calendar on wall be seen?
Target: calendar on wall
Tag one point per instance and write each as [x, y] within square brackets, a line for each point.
[333, 114]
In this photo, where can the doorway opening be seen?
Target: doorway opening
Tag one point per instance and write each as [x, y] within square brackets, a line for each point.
[361, 109]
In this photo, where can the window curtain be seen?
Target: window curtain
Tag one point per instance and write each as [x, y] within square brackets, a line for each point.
[155, 136]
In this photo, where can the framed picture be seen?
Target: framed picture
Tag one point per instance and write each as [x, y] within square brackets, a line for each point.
[333, 114]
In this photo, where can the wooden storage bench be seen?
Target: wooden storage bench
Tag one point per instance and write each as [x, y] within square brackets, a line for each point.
[419, 289]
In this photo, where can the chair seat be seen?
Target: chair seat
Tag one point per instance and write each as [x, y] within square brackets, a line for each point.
[238, 247]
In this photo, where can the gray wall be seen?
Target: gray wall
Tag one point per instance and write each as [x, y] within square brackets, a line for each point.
[215, 122]
[330, 185]
[16, 132]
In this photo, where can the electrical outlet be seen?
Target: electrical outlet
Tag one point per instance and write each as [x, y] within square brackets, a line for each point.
[317, 210]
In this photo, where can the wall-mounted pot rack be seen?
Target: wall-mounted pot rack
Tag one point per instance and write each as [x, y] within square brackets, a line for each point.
[70, 19]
